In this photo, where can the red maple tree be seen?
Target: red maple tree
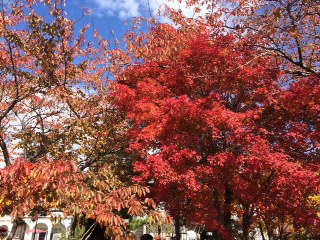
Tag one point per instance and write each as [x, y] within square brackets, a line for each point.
[217, 137]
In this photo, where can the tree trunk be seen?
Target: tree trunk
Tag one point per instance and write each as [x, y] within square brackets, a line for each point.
[261, 231]
[217, 205]
[220, 217]
[246, 219]
[177, 228]
[228, 197]
[270, 232]
[203, 235]
[13, 231]
[73, 226]
[269, 228]
[5, 151]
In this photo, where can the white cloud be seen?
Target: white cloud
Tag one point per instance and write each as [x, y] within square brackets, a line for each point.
[125, 9]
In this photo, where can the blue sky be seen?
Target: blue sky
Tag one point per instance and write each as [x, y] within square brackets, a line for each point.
[108, 16]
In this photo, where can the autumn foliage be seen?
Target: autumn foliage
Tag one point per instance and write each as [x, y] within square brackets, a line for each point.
[61, 139]
[286, 29]
[29, 188]
[219, 139]
[216, 118]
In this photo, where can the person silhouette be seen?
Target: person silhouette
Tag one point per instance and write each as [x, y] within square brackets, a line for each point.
[146, 237]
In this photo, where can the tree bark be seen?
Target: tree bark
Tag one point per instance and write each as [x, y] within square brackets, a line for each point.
[73, 226]
[220, 217]
[177, 228]
[261, 231]
[217, 205]
[246, 222]
[13, 231]
[203, 235]
[228, 198]
[5, 151]
[270, 233]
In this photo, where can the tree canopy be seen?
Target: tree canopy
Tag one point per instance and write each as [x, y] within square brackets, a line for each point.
[218, 140]
[61, 139]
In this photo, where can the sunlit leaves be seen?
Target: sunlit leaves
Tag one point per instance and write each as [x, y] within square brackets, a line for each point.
[58, 127]
[57, 185]
[213, 133]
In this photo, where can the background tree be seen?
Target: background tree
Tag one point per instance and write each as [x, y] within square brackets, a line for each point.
[56, 114]
[288, 30]
[35, 188]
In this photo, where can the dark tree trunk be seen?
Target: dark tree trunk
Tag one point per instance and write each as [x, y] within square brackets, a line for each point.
[281, 233]
[228, 198]
[203, 235]
[269, 228]
[270, 232]
[177, 228]
[220, 216]
[5, 151]
[246, 222]
[261, 231]
[217, 205]
[73, 226]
